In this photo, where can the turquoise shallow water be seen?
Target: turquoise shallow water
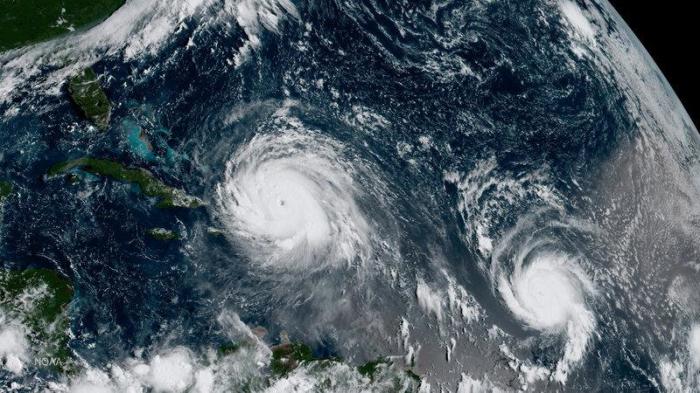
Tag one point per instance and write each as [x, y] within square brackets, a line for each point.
[138, 143]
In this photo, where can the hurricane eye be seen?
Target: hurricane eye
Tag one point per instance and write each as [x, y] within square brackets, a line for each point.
[293, 202]
[548, 292]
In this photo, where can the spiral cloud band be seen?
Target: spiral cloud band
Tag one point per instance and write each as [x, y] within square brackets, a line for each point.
[548, 291]
[290, 197]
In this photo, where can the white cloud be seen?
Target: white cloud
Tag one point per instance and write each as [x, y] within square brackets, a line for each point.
[204, 381]
[172, 371]
[428, 299]
[574, 15]
[14, 348]
[471, 385]
[694, 346]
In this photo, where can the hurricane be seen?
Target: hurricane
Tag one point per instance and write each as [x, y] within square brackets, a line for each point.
[290, 197]
[543, 283]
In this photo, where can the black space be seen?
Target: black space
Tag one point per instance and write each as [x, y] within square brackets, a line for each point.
[669, 32]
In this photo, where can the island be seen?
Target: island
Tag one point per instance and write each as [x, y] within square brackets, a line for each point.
[5, 190]
[168, 197]
[87, 94]
[288, 356]
[162, 234]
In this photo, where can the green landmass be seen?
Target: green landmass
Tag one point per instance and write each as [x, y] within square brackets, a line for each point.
[38, 299]
[5, 189]
[24, 22]
[87, 94]
[287, 357]
[162, 234]
[228, 349]
[73, 178]
[413, 375]
[147, 183]
[369, 369]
